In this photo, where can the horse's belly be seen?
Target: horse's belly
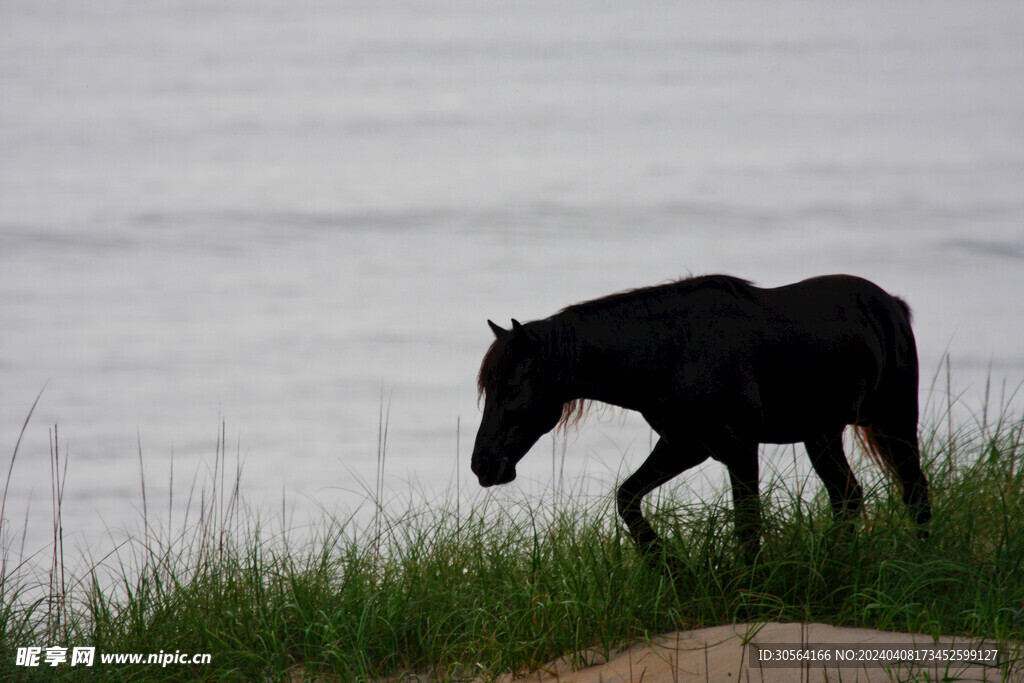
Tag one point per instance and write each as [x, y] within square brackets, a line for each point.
[814, 385]
[792, 417]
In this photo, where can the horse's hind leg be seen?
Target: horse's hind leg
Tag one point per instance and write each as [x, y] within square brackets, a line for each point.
[830, 463]
[899, 445]
[664, 463]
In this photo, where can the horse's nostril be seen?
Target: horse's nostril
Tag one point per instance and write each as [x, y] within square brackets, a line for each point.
[491, 471]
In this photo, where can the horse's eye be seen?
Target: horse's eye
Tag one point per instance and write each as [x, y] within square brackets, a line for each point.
[517, 396]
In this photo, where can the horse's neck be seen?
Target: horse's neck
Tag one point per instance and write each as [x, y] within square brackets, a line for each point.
[592, 370]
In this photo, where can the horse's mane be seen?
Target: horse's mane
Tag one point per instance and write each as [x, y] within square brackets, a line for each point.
[565, 343]
[733, 285]
[490, 366]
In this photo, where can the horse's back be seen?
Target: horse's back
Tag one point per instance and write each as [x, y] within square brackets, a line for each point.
[835, 290]
[827, 309]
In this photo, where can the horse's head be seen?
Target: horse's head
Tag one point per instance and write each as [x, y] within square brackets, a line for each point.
[520, 404]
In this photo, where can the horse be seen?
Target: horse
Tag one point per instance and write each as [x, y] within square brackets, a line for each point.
[717, 366]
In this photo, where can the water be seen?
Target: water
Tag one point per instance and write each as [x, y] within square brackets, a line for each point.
[291, 218]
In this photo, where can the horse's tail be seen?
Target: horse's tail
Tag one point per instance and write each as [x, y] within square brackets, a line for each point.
[866, 437]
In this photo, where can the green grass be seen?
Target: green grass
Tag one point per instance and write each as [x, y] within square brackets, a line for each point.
[458, 589]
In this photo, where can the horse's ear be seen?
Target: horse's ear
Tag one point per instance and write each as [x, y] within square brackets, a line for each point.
[520, 333]
[498, 331]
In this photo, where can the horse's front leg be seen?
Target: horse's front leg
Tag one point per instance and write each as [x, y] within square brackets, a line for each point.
[741, 460]
[664, 463]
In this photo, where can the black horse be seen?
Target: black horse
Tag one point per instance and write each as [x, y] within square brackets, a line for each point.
[717, 366]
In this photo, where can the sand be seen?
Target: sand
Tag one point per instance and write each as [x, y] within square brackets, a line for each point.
[719, 654]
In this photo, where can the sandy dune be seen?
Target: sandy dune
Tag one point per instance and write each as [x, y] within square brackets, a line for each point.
[718, 654]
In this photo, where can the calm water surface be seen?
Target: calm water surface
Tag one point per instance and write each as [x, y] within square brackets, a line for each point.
[288, 219]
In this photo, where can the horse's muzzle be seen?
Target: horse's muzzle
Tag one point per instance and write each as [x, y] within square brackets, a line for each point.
[493, 471]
